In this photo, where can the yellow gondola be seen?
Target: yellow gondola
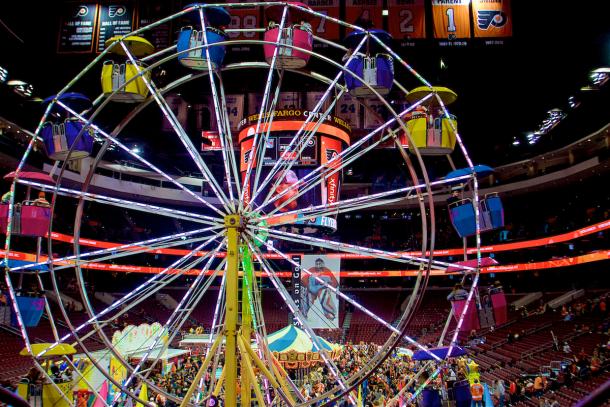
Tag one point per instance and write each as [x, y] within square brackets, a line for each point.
[116, 76]
[432, 132]
[58, 394]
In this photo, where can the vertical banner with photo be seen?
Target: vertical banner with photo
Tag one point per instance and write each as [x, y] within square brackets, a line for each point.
[451, 19]
[319, 304]
[322, 27]
[407, 19]
[77, 29]
[255, 100]
[235, 110]
[349, 110]
[289, 100]
[179, 107]
[296, 287]
[374, 114]
[492, 19]
[312, 99]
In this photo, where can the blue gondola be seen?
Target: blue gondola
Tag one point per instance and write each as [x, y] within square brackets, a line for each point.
[190, 37]
[374, 66]
[491, 215]
[462, 213]
[30, 307]
[60, 135]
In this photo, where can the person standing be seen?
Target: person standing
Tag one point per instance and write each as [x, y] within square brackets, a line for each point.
[476, 391]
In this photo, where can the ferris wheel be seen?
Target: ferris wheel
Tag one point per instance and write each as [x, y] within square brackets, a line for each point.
[272, 182]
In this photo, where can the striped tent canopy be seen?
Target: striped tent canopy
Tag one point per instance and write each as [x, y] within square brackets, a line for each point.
[295, 339]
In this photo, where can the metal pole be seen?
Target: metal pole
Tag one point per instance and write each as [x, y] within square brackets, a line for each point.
[233, 223]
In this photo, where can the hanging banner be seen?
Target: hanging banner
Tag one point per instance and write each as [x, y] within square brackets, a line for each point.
[407, 19]
[451, 19]
[255, 100]
[349, 110]
[243, 18]
[492, 18]
[202, 114]
[321, 27]
[235, 109]
[289, 100]
[312, 99]
[180, 109]
[148, 12]
[364, 13]
[331, 148]
[114, 19]
[319, 303]
[374, 113]
[77, 28]
[296, 285]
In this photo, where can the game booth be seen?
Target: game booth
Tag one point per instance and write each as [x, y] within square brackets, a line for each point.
[307, 153]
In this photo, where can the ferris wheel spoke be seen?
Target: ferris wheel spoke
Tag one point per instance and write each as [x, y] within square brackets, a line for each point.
[228, 134]
[177, 127]
[255, 142]
[355, 249]
[137, 157]
[178, 316]
[145, 246]
[150, 286]
[301, 144]
[345, 297]
[368, 201]
[219, 113]
[344, 158]
[267, 124]
[125, 203]
[299, 316]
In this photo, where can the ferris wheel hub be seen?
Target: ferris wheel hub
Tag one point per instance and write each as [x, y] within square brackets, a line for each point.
[234, 221]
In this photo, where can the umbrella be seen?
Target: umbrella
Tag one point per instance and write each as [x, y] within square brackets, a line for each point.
[480, 170]
[31, 176]
[292, 338]
[440, 352]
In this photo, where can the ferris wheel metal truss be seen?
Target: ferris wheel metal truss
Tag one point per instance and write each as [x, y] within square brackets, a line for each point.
[218, 238]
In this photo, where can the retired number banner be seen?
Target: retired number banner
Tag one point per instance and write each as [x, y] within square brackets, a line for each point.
[407, 19]
[492, 18]
[451, 19]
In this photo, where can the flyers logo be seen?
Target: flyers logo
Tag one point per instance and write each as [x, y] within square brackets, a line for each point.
[82, 11]
[496, 18]
[116, 11]
[330, 154]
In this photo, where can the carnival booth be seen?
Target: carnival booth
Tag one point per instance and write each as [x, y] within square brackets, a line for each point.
[371, 63]
[62, 132]
[295, 350]
[49, 394]
[296, 32]
[432, 132]
[31, 217]
[192, 39]
[122, 76]
[330, 139]
[462, 211]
